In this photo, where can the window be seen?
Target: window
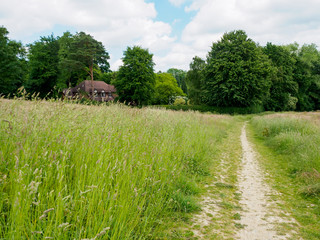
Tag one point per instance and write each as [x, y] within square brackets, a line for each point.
[103, 94]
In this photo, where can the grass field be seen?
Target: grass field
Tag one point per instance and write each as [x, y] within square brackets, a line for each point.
[290, 144]
[71, 171]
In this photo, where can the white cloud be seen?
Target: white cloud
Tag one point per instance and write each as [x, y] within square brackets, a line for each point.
[177, 3]
[277, 21]
[123, 23]
[117, 24]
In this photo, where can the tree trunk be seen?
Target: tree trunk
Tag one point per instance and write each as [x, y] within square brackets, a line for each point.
[91, 75]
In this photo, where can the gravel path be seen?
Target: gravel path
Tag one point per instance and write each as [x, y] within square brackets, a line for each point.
[260, 215]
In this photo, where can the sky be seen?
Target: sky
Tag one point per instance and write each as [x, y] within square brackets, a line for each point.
[174, 31]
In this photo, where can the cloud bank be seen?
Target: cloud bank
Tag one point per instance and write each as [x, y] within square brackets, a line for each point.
[123, 23]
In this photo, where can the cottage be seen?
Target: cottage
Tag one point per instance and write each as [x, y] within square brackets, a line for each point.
[95, 90]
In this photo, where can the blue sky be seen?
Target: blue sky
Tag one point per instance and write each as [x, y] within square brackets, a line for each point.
[173, 30]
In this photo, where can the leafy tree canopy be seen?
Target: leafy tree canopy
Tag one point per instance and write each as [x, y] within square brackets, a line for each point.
[166, 87]
[135, 80]
[85, 53]
[237, 72]
[180, 76]
[195, 79]
[13, 66]
[43, 65]
[283, 89]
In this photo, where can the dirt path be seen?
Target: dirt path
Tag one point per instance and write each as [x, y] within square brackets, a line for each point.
[239, 203]
[261, 215]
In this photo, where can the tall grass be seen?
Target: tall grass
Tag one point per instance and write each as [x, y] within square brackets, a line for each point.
[72, 171]
[298, 141]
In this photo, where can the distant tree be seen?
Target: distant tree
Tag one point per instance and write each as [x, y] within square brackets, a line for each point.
[180, 76]
[136, 79]
[107, 77]
[314, 92]
[69, 75]
[166, 87]
[43, 65]
[307, 75]
[195, 79]
[237, 73]
[283, 91]
[13, 66]
[84, 53]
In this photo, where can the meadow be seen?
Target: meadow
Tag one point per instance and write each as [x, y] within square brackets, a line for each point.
[75, 171]
[70, 171]
[290, 145]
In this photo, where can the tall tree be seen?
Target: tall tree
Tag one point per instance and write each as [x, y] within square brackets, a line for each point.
[13, 66]
[237, 72]
[307, 76]
[135, 80]
[283, 91]
[166, 87]
[195, 79]
[86, 53]
[180, 76]
[68, 75]
[43, 65]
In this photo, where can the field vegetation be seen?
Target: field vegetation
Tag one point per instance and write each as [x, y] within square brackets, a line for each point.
[70, 171]
[292, 156]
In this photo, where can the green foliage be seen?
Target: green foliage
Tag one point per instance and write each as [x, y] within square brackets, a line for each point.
[283, 89]
[180, 76]
[43, 65]
[68, 76]
[213, 109]
[135, 80]
[64, 61]
[307, 76]
[195, 80]
[237, 72]
[179, 101]
[166, 87]
[13, 66]
[86, 53]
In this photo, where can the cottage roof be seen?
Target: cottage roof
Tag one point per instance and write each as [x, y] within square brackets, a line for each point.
[97, 85]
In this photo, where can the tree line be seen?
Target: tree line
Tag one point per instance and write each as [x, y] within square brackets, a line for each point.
[240, 73]
[52, 64]
[236, 73]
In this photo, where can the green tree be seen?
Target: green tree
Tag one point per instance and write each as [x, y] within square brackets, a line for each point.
[166, 87]
[13, 66]
[82, 53]
[237, 72]
[283, 91]
[136, 79]
[195, 79]
[314, 92]
[43, 65]
[180, 76]
[68, 75]
[307, 76]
